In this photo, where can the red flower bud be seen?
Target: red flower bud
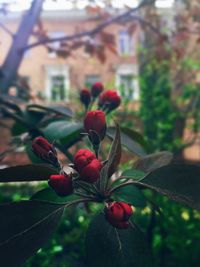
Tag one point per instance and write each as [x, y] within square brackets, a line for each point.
[82, 158]
[96, 89]
[119, 225]
[43, 149]
[87, 165]
[95, 121]
[118, 214]
[61, 184]
[109, 99]
[85, 97]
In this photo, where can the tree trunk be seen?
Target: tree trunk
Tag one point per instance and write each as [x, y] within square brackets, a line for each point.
[15, 55]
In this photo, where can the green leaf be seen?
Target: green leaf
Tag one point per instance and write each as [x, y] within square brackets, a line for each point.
[60, 110]
[110, 247]
[32, 118]
[179, 182]
[62, 130]
[26, 173]
[114, 153]
[135, 136]
[133, 174]
[132, 195]
[18, 128]
[128, 142]
[24, 228]
[49, 194]
[113, 160]
[154, 161]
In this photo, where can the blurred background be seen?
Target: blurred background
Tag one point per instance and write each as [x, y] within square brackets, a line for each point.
[149, 52]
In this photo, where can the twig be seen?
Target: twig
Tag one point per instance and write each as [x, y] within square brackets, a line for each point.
[6, 30]
[92, 32]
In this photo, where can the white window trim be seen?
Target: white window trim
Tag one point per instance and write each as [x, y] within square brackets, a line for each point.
[56, 70]
[128, 69]
[131, 39]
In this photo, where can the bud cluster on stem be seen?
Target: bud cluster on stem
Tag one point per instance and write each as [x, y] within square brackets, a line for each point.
[107, 100]
[87, 175]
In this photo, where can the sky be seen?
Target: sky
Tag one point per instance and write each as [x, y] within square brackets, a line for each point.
[19, 5]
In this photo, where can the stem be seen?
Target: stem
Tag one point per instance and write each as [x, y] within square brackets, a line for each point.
[65, 152]
[84, 188]
[124, 184]
[83, 195]
[78, 201]
[65, 204]
[96, 150]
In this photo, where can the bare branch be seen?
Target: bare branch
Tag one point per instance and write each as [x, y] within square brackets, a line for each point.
[6, 30]
[94, 30]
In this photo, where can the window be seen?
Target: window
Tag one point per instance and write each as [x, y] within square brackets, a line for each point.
[91, 79]
[57, 82]
[55, 45]
[126, 81]
[57, 88]
[126, 86]
[125, 43]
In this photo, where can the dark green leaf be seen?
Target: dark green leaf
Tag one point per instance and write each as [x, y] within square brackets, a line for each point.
[24, 228]
[48, 194]
[12, 102]
[62, 130]
[179, 182]
[153, 161]
[18, 128]
[113, 160]
[115, 153]
[135, 136]
[109, 247]
[133, 174]
[26, 173]
[128, 142]
[32, 118]
[60, 110]
[132, 195]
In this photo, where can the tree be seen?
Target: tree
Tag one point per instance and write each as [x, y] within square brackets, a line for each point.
[32, 18]
[168, 80]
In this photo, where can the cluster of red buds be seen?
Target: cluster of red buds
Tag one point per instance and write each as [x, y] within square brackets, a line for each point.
[86, 165]
[107, 100]
[118, 214]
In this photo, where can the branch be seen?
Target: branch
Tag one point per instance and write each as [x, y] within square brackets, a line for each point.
[6, 30]
[92, 32]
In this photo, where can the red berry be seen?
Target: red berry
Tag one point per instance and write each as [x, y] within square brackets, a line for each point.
[61, 184]
[96, 89]
[95, 121]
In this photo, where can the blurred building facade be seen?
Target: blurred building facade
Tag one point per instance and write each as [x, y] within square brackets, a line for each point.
[55, 78]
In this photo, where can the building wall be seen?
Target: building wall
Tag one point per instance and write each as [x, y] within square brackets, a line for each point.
[37, 61]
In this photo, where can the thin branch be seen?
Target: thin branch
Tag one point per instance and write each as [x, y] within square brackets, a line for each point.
[6, 30]
[125, 184]
[92, 32]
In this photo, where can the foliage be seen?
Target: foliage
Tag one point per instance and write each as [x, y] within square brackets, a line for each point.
[169, 83]
[41, 214]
